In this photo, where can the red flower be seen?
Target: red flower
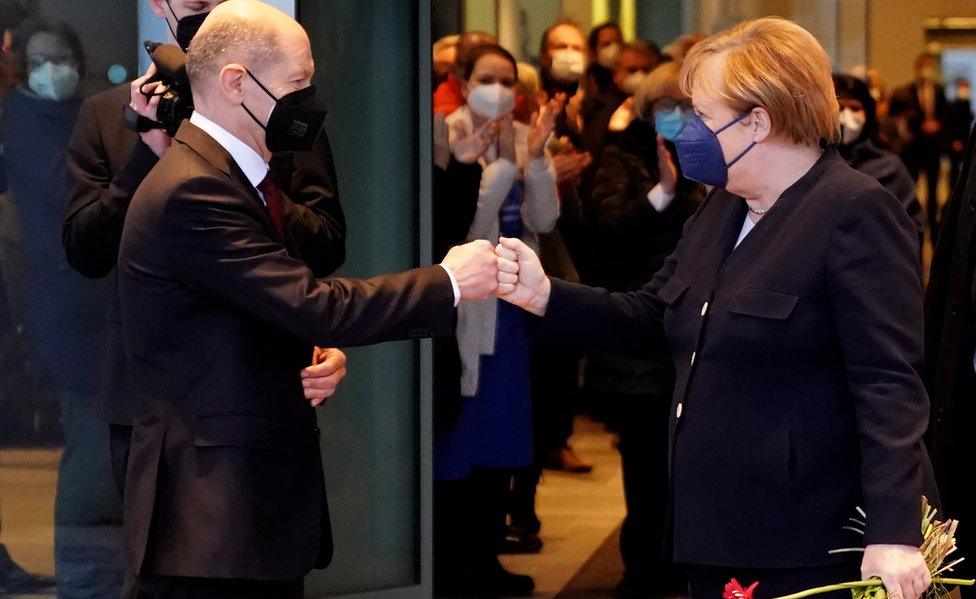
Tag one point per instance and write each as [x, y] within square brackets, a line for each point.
[734, 590]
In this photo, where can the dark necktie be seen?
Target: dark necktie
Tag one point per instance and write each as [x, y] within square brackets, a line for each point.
[273, 200]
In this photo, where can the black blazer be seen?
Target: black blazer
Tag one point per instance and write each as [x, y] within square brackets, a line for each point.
[225, 477]
[950, 340]
[106, 163]
[906, 103]
[798, 394]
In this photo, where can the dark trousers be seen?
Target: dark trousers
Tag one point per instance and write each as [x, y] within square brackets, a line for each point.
[120, 438]
[169, 587]
[644, 460]
[926, 157]
[706, 582]
[469, 525]
[555, 389]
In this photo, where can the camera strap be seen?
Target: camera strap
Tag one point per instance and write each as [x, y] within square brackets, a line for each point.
[138, 122]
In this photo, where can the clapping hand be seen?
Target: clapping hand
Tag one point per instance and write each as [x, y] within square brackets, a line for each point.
[570, 165]
[666, 166]
[321, 379]
[521, 279]
[442, 143]
[468, 148]
[542, 124]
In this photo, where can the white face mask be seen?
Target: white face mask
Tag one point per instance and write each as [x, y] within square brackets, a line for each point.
[607, 56]
[491, 101]
[53, 81]
[632, 82]
[851, 125]
[568, 65]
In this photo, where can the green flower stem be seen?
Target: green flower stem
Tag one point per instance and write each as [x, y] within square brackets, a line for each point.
[870, 583]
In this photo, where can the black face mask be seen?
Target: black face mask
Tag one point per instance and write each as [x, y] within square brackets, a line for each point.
[295, 121]
[186, 27]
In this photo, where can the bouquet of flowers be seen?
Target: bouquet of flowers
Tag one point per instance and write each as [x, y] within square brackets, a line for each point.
[939, 541]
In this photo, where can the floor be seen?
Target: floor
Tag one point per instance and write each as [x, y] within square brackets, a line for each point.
[579, 512]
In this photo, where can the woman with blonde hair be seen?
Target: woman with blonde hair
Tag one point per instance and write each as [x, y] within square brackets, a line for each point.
[792, 308]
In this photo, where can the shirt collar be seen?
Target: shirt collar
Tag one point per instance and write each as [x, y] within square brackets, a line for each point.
[253, 165]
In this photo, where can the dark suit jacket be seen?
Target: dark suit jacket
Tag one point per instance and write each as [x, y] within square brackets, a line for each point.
[905, 103]
[950, 330]
[225, 477]
[106, 163]
[798, 395]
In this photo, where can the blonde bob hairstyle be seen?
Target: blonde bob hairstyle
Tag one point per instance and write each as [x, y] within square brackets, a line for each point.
[774, 64]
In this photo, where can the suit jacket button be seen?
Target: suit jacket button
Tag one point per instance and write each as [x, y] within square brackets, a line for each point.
[704, 309]
[678, 410]
[693, 355]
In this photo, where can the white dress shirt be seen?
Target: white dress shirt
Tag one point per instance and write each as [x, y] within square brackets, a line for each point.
[747, 226]
[253, 165]
[256, 169]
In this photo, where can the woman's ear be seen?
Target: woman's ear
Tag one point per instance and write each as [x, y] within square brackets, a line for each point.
[761, 125]
[465, 88]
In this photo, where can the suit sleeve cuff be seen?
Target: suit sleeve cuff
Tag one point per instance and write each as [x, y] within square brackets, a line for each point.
[454, 285]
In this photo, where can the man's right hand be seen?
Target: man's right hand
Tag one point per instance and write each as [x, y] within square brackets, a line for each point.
[530, 291]
[157, 139]
[475, 268]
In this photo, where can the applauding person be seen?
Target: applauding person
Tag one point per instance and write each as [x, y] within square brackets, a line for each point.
[792, 308]
[491, 434]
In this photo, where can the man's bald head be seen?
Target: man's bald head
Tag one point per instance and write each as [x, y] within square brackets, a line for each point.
[245, 58]
[245, 32]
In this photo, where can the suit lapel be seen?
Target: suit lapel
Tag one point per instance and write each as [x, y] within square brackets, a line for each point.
[207, 148]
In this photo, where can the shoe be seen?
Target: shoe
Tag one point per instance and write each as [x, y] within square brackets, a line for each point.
[567, 460]
[462, 586]
[520, 542]
[14, 579]
[507, 584]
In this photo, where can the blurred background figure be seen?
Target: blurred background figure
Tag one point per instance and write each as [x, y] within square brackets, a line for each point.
[861, 147]
[613, 110]
[642, 204]
[477, 451]
[444, 57]
[679, 48]
[63, 311]
[960, 122]
[921, 114]
[448, 96]
[605, 41]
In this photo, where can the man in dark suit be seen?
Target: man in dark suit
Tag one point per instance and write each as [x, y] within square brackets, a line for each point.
[922, 112]
[107, 160]
[950, 344]
[225, 495]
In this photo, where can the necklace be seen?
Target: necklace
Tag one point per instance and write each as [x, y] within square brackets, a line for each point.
[756, 211]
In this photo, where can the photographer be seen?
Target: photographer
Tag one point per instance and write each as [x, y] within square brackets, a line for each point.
[107, 161]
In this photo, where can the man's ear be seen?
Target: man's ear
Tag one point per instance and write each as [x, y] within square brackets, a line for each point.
[762, 126]
[231, 83]
[159, 7]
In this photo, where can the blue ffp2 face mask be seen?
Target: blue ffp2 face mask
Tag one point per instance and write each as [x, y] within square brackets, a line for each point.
[669, 123]
[700, 153]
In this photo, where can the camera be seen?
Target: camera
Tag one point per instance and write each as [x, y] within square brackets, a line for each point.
[175, 97]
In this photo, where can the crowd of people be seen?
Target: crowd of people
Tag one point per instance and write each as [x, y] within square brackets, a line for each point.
[592, 163]
[615, 203]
